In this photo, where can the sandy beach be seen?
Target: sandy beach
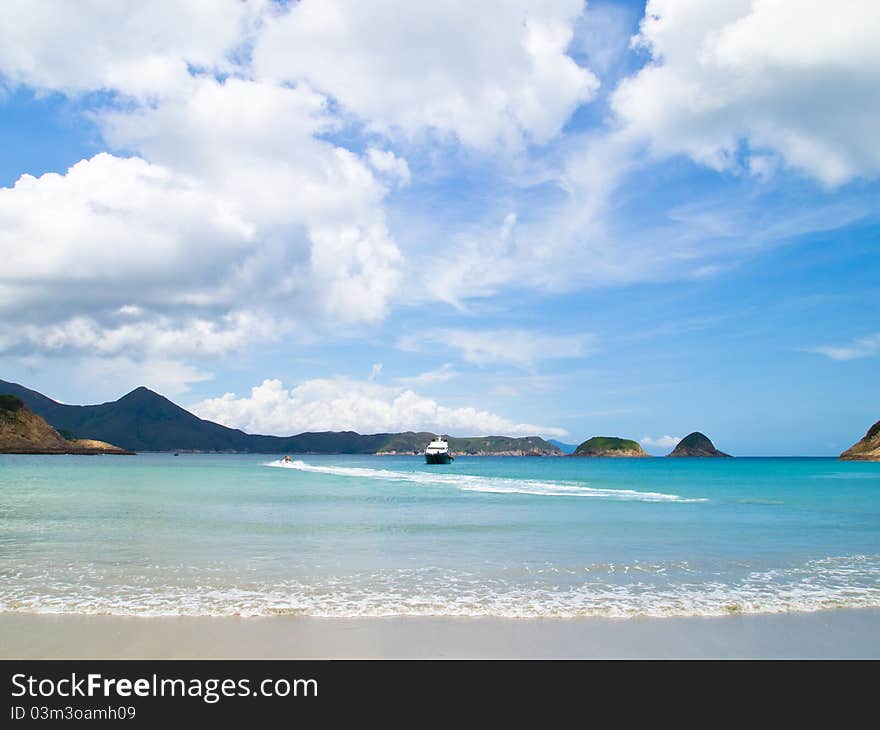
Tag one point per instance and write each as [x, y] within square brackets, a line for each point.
[823, 634]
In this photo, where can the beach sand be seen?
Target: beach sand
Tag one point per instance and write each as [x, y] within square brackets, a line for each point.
[845, 633]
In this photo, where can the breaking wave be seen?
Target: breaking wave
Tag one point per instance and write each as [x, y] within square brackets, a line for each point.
[606, 590]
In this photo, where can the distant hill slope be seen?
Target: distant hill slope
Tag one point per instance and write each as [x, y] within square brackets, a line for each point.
[696, 444]
[609, 446]
[563, 447]
[24, 432]
[867, 449]
[415, 442]
[146, 421]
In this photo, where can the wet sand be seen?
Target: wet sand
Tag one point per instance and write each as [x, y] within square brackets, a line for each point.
[845, 633]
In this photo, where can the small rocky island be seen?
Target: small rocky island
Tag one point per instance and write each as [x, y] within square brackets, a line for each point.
[610, 446]
[696, 444]
[24, 432]
[868, 449]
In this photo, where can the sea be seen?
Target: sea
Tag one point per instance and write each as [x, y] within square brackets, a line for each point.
[348, 536]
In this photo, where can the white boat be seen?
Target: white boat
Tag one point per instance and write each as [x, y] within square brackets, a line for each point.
[437, 452]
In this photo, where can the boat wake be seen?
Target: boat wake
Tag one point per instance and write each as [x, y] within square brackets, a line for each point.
[493, 485]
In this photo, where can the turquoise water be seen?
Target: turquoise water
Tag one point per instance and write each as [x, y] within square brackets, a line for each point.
[349, 536]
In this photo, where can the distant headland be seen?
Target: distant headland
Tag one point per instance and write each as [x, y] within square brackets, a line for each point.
[867, 449]
[24, 432]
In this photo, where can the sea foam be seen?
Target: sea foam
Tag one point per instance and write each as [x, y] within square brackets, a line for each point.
[493, 485]
[838, 582]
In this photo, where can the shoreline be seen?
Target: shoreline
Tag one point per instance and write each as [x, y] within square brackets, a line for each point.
[833, 634]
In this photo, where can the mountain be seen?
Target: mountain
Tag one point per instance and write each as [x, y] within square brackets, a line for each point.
[24, 432]
[564, 448]
[868, 449]
[609, 446]
[146, 421]
[696, 444]
[140, 421]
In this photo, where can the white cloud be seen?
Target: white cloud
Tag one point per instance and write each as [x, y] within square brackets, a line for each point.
[859, 348]
[118, 374]
[793, 79]
[439, 375]
[663, 442]
[489, 72]
[320, 236]
[231, 211]
[115, 224]
[154, 335]
[139, 49]
[339, 404]
[242, 216]
[522, 348]
[387, 163]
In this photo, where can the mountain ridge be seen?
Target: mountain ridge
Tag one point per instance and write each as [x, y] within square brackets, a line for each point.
[143, 420]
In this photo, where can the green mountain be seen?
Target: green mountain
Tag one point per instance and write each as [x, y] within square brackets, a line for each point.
[146, 421]
[609, 446]
[868, 449]
[696, 444]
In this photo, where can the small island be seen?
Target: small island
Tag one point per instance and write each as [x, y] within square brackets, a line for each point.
[24, 432]
[610, 446]
[868, 449]
[696, 444]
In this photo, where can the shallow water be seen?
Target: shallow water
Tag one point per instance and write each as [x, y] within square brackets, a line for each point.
[350, 536]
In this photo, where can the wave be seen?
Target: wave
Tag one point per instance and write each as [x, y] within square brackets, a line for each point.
[492, 485]
[838, 582]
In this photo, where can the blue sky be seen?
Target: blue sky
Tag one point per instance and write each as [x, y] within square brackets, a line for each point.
[523, 217]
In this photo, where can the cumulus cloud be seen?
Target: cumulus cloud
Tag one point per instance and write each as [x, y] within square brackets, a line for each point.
[112, 228]
[859, 348]
[138, 49]
[131, 334]
[521, 348]
[343, 404]
[242, 217]
[663, 442]
[742, 83]
[320, 236]
[488, 73]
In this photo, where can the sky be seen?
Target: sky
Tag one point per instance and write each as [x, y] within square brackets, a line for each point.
[508, 217]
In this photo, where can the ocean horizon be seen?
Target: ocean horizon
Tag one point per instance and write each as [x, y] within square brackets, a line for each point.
[359, 536]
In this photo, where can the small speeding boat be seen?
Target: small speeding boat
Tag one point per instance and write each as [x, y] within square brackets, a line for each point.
[437, 452]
